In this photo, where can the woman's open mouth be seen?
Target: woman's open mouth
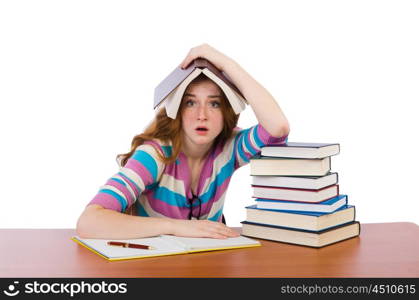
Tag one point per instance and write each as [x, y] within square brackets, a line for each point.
[201, 130]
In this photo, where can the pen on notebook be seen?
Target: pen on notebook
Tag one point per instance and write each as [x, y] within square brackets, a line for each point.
[130, 245]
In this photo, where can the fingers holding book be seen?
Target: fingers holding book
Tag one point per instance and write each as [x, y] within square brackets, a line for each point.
[206, 51]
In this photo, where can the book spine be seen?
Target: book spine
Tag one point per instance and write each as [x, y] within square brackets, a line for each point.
[204, 63]
[299, 229]
[296, 189]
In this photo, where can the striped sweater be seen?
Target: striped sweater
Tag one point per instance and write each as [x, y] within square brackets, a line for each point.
[160, 190]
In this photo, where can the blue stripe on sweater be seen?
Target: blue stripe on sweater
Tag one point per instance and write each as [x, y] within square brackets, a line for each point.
[249, 145]
[147, 161]
[119, 181]
[167, 150]
[225, 173]
[217, 216]
[118, 197]
[169, 197]
[240, 146]
[130, 180]
[258, 141]
[141, 211]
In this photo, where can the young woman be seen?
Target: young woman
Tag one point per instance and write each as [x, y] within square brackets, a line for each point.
[176, 175]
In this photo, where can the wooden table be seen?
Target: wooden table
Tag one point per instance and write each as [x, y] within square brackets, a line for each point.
[382, 250]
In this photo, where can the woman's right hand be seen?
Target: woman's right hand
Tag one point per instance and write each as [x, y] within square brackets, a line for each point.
[202, 228]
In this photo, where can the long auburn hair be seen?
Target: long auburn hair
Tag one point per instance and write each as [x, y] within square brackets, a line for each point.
[170, 130]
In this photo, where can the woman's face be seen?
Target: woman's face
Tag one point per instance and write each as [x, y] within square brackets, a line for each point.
[202, 118]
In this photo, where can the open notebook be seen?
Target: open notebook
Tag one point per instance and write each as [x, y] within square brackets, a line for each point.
[163, 245]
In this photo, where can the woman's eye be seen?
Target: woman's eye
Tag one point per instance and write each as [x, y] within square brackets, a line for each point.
[189, 102]
[215, 104]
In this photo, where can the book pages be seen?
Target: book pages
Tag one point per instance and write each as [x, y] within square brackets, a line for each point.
[237, 102]
[162, 247]
[173, 100]
[191, 244]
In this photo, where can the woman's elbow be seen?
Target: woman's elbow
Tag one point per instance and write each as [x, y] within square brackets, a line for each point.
[81, 227]
[84, 223]
[285, 129]
[282, 130]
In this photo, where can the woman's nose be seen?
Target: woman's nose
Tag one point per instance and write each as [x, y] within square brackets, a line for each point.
[202, 112]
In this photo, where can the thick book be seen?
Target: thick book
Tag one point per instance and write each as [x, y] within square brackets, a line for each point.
[292, 194]
[163, 245]
[297, 182]
[261, 165]
[309, 238]
[170, 91]
[313, 221]
[301, 150]
[326, 206]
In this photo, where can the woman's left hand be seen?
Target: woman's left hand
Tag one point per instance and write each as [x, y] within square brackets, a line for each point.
[218, 59]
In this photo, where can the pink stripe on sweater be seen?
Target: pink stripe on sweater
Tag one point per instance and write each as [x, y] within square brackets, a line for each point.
[254, 147]
[133, 187]
[179, 169]
[106, 201]
[142, 171]
[155, 145]
[123, 189]
[166, 209]
[174, 169]
[206, 207]
[266, 138]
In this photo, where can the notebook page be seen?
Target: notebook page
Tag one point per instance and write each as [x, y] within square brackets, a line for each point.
[209, 243]
[162, 247]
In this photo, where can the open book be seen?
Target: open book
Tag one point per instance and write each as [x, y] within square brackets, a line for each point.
[163, 245]
[170, 91]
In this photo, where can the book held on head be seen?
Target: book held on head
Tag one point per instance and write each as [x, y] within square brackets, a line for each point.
[170, 91]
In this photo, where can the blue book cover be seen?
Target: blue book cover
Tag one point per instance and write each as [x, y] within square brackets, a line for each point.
[304, 230]
[306, 213]
[301, 150]
[301, 220]
[327, 206]
[303, 145]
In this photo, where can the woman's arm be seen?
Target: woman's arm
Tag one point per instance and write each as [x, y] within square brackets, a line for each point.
[104, 217]
[97, 222]
[266, 109]
[100, 223]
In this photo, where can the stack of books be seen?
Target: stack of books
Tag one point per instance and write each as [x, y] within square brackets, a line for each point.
[297, 197]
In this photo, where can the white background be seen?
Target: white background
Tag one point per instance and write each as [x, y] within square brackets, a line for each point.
[77, 80]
